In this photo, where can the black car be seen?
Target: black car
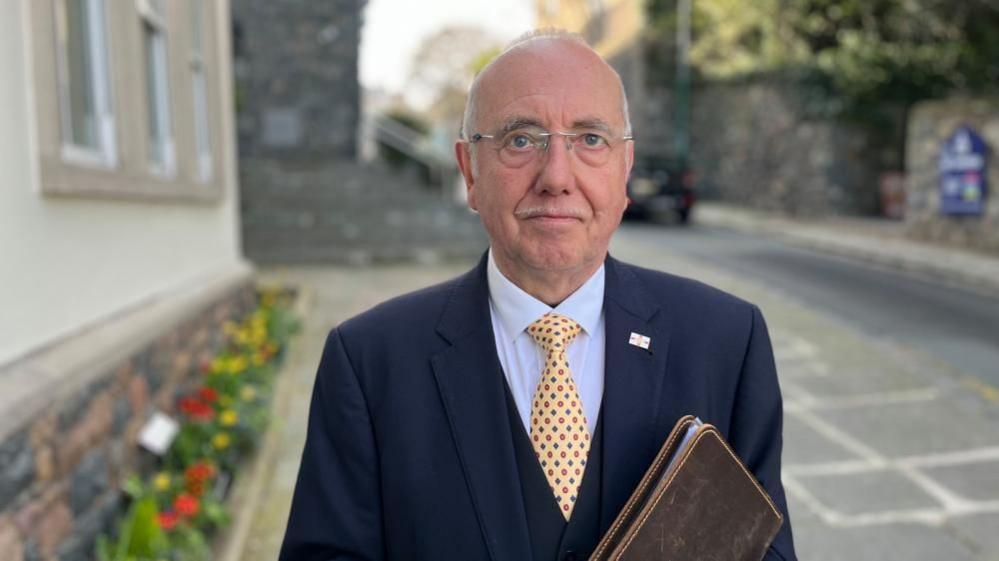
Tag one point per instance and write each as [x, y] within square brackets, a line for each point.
[659, 189]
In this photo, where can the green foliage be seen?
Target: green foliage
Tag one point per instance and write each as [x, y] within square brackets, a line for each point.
[854, 53]
[222, 420]
[141, 536]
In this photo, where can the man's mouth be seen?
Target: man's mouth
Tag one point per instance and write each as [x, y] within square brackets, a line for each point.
[549, 215]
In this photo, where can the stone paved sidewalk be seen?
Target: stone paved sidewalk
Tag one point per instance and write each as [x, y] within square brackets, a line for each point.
[888, 454]
[877, 241]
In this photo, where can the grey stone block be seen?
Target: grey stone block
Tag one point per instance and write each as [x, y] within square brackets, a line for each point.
[17, 468]
[99, 520]
[122, 413]
[89, 481]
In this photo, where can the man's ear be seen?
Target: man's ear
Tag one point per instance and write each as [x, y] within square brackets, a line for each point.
[463, 155]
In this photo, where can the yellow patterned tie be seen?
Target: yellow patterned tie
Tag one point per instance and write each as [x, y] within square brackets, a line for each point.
[558, 425]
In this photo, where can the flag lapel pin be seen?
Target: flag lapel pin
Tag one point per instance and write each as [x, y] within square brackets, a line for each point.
[639, 340]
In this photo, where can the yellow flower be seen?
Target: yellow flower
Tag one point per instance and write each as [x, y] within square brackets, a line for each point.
[247, 393]
[161, 482]
[229, 327]
[238, 364]
[228, 418]
[241, 336]
[268, 299]
[225, 401]
[218, 364]
[221, 440]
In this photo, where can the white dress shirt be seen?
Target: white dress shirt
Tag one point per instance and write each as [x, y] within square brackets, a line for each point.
[513, 311]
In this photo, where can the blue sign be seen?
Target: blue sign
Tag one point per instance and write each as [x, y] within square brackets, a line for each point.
[962, 173]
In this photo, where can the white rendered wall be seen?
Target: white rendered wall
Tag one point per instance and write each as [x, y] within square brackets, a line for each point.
[66, 263]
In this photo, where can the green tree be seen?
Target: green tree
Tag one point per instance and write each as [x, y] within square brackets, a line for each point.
[857, 53]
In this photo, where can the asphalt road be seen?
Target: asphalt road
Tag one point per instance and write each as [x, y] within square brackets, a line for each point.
[956, 326]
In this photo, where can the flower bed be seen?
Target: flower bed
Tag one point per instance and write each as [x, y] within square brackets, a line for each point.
[173, 512]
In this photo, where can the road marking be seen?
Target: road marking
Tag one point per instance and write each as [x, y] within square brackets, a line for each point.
[861, 400]
[870, 460]
[855, 467]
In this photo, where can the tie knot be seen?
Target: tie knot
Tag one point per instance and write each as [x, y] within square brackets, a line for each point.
[554, 332]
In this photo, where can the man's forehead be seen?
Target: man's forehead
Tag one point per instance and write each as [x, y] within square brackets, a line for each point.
[564, 82]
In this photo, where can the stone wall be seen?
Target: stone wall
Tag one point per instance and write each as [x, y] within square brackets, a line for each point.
[60, 474]
[753, 143]
[930, 124]
[297, 92]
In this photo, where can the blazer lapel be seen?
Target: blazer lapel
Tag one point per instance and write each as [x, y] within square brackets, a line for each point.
[633, 384]
[470, 380]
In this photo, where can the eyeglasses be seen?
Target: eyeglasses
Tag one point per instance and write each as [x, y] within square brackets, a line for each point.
[525, 145]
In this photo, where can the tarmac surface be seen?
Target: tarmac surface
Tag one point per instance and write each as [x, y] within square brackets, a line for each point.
[890, 450]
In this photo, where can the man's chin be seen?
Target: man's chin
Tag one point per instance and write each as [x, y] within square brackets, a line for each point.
[555, 258]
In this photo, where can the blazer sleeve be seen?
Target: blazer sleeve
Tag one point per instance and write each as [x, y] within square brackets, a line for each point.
[336, 508]
[757, 424]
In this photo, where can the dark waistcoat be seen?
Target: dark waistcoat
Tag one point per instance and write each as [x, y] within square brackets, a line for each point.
[552, 539]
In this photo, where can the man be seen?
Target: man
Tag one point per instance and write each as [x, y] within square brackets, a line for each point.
[508, 414]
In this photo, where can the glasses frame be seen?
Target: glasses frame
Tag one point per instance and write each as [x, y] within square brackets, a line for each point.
[478, 136]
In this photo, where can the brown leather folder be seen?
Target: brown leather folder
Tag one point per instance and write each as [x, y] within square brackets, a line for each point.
[696, 502]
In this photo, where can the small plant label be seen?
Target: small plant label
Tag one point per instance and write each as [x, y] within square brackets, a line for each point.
[158, 433]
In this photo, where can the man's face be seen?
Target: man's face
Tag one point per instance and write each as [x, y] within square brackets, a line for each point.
[558, 212]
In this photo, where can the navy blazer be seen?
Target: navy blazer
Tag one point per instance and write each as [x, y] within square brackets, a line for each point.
[409, 453]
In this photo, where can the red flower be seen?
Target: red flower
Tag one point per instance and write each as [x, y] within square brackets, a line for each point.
[197, 475]
[167, 520]
[186, 505]
[208, 395]
[196, 409]
[200, 471]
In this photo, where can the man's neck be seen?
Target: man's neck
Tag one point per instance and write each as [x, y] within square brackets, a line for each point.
[550, 287]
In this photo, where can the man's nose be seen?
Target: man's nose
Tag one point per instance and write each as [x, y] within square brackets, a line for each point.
[556, 175]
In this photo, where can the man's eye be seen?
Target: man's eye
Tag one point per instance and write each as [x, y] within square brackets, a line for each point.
[593, 140]
[520, 141]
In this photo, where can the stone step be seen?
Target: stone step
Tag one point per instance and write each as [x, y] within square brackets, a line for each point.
[346, 212]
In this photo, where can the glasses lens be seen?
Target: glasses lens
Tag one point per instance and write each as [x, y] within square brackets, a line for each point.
[521, 146]
[525, 145]
[591, 147]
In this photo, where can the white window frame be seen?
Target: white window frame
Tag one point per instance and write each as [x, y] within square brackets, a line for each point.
[105, 155]
[166, 163]
[199, 87]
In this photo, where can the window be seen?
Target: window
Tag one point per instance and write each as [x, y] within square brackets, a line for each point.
[202, 134]
[161, 148]
[85, 114]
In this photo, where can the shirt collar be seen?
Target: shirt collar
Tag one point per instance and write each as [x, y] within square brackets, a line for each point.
[517, 309]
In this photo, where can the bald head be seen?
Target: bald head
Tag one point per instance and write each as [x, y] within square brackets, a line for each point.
[558, 57]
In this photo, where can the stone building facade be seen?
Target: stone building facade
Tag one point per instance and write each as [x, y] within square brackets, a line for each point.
[305, 196]
[119, 248]
[297, 91]
[930, 124]
[755, 144]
